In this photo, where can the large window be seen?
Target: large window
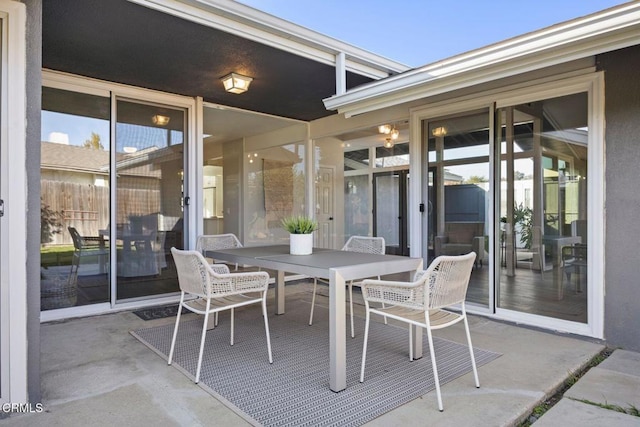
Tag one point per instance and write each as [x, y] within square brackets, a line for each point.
[75, 199]
[253, 174]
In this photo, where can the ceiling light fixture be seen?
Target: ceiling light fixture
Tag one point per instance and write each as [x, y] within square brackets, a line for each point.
[384, 129]
[389, 130]
[236, 83]
[160, 120]
[388, 143]
[439, 131]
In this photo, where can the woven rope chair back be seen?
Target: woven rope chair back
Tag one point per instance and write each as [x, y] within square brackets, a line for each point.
[193, 272]
[365, 244]
[214, 242]
[448, 279]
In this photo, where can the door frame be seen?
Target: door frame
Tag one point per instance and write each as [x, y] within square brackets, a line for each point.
[587, 80]
[13, 230]
[192, 155]
[403, 209]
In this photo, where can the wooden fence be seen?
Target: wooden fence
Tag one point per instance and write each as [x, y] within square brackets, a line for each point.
[86, 207]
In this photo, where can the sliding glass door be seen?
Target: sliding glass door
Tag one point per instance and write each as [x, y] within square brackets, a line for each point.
[511, 185]
[149, 217]
[543, 207]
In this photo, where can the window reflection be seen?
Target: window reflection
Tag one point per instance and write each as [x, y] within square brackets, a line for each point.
[74, 199]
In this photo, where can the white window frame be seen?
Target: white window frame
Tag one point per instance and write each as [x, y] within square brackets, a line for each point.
[120, 91]
[13, 269]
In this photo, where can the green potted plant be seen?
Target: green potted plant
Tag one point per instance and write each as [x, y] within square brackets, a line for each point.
[300, 228]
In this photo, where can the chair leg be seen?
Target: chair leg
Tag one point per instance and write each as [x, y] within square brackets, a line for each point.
[266, 326]
[383, 307]
[473, 359]
[202, 338]
[364, 346]
[313, 300]
[351, 307]
[175, 330]
[232, 325]
[73, 274]
[435, 369]
[410, 342]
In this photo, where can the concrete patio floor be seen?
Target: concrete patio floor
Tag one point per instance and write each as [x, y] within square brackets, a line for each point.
[94, 373]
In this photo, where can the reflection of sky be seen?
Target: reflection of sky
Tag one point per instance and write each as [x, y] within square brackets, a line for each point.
[79, 129]
[482, 168]
[141, 137]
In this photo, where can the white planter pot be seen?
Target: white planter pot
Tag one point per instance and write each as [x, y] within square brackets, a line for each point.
[301, 244]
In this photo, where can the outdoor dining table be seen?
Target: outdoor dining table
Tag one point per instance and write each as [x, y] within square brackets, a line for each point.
[335, 265]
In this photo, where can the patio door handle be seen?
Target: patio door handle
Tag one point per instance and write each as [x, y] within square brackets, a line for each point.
[1, 208]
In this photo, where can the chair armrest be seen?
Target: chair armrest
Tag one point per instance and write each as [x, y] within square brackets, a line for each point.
[220, 268]
[478, 247]
[238, 283]
[90, 242]
[406, 294]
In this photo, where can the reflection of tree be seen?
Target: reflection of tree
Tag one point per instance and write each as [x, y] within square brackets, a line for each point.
[475, 179]
[50, 223]
[93, 142]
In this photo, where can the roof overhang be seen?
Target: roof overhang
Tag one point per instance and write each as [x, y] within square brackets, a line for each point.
[252, 24]
[611, 29]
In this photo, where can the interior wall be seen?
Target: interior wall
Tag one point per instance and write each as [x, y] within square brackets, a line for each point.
[622, 109]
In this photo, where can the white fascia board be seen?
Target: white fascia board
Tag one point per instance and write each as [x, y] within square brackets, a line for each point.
[605, 31]
[252, 24]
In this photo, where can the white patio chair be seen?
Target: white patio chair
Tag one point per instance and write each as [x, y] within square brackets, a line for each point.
[362, 244]
[420, 303]
[216, 290]
[212, 242]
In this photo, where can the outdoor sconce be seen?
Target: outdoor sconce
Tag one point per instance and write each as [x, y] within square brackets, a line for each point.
[236, 83]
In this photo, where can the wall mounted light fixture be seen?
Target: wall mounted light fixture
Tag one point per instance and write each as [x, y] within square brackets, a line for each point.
[236, 83]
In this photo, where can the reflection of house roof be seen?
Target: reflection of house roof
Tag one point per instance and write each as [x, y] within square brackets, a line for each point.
[73, 158]
[450, 176]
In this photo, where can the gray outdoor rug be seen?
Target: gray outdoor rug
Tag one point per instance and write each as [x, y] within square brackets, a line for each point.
[294, 390]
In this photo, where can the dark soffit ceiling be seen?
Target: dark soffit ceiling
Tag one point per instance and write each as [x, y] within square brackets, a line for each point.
[122, 42]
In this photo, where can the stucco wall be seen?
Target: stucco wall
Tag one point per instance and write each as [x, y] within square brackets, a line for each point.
[33, 83]
[622, 139]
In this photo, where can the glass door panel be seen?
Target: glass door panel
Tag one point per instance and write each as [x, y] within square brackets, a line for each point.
[75, 199]
[149, 198]
[543, 208]
[356, 206]
[459, 194]
[390, 210]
